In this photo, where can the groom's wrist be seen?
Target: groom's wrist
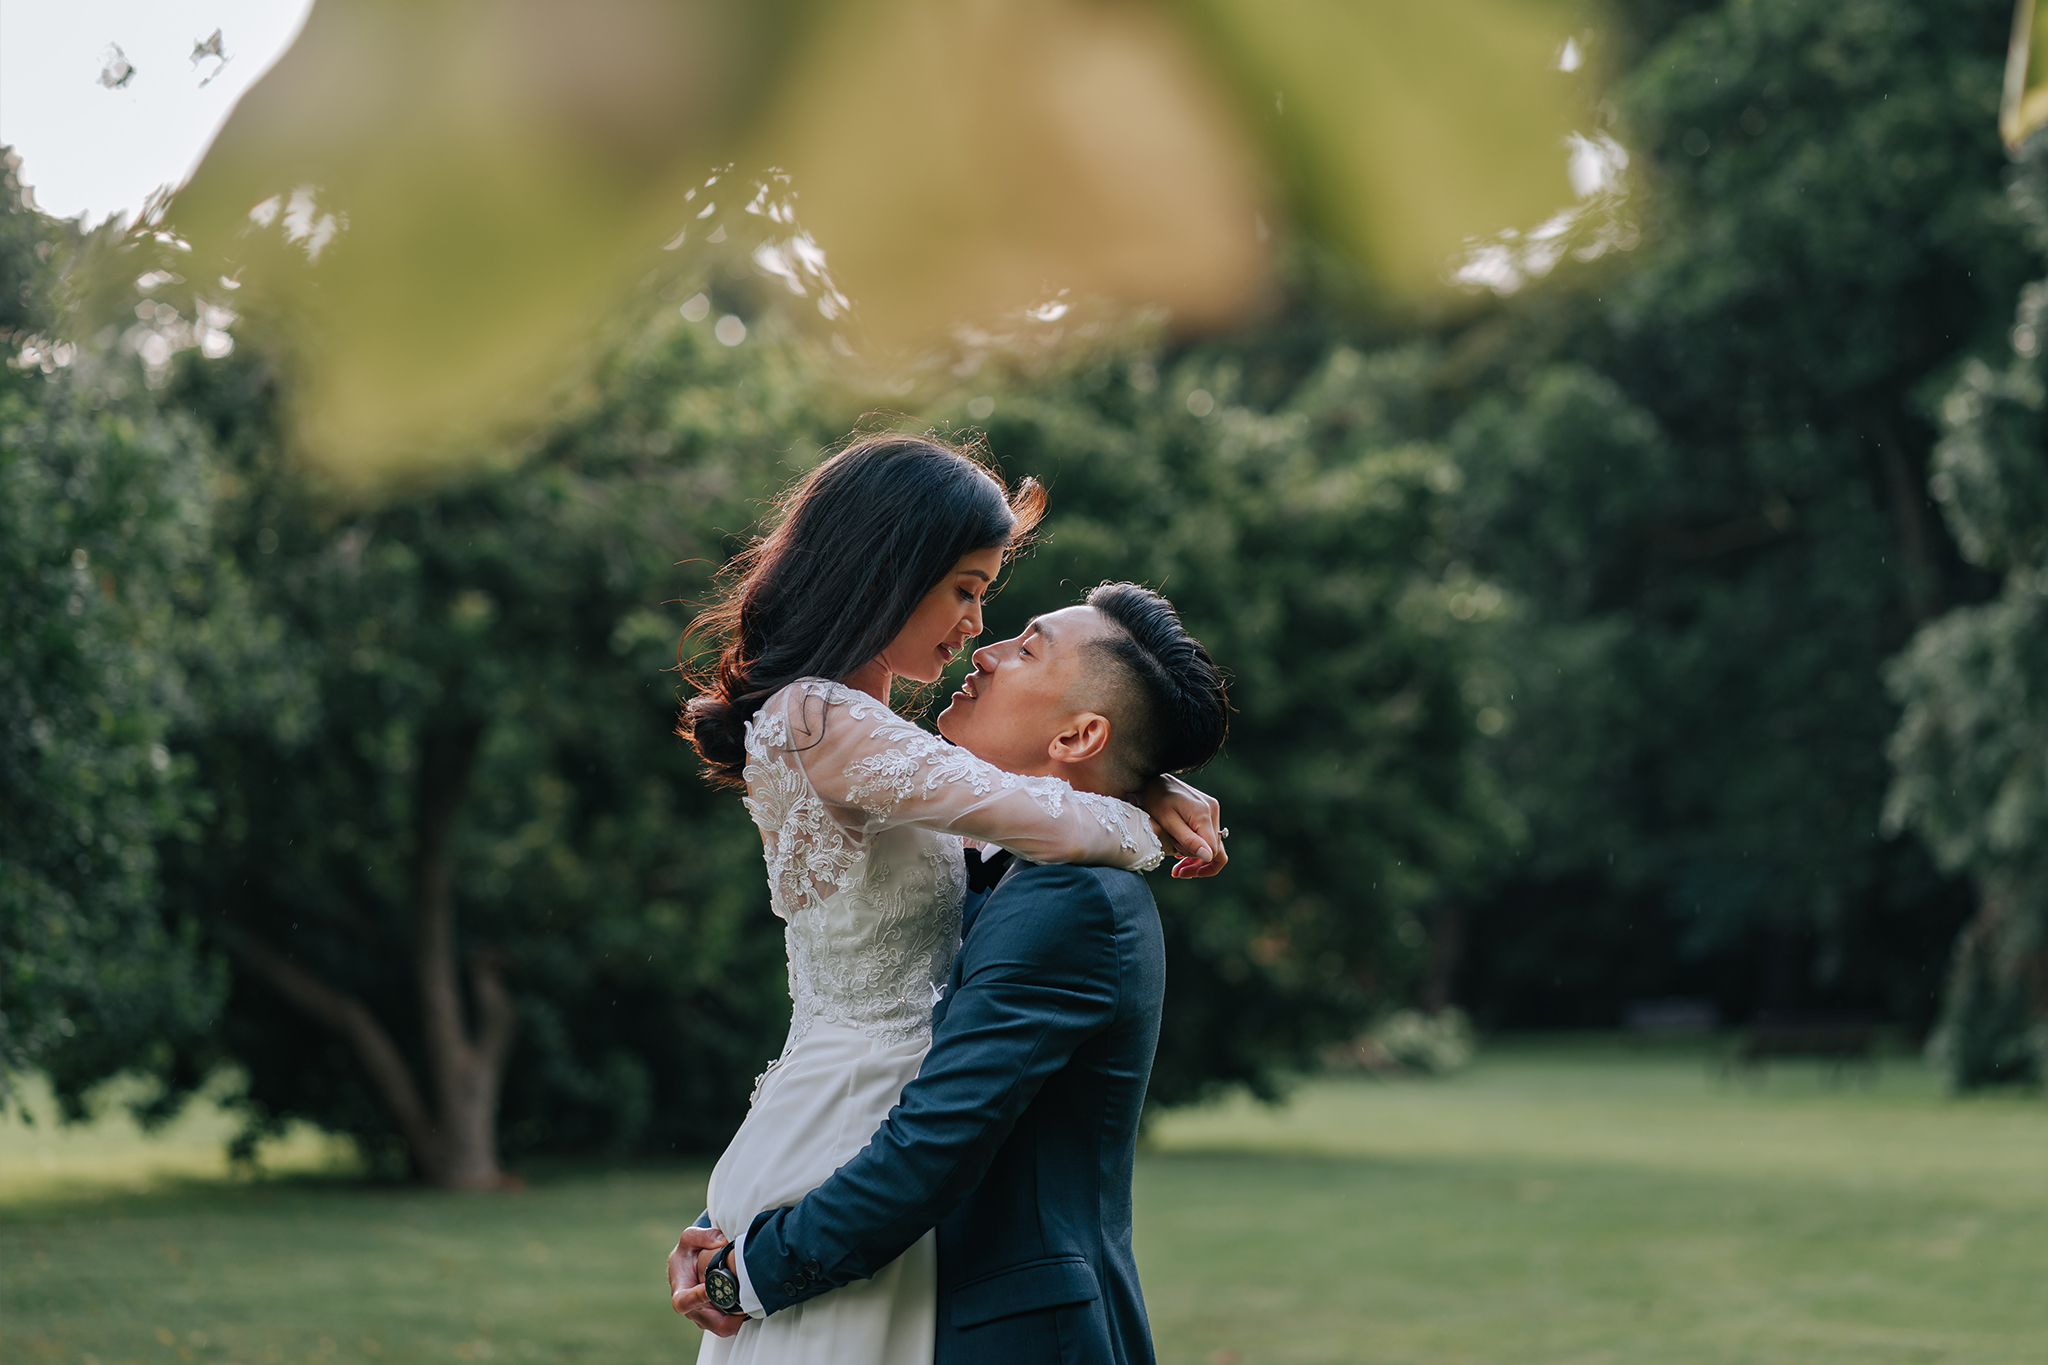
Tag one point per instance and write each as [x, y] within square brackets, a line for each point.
[750, 1302]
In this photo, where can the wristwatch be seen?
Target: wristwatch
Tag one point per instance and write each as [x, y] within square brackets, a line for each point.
[721, 1286]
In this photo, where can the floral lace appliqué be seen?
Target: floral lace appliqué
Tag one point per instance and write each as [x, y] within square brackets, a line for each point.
[1127, 820]
[873, 922]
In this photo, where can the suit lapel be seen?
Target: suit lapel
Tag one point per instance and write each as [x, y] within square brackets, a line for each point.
[970, 910]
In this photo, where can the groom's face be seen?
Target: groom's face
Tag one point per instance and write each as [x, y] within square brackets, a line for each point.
[1025, 691]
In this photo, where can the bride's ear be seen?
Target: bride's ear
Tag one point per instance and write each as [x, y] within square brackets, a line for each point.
[1084, 737]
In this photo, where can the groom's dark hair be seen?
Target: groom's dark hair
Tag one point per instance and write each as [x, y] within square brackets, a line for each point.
[1168, 706]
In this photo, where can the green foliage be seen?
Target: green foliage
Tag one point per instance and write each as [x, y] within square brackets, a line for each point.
[1972, 747]
[104, 525]
[1971, 751]
[1698, 469]
[1433, 1044]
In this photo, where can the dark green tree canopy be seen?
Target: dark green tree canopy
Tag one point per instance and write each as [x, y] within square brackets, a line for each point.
[1970, 755]
[1699, 467]
[106, 519]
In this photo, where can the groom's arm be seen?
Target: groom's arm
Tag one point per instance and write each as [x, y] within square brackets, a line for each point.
[1039, 977]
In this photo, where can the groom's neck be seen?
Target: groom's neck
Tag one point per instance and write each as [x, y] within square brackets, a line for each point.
[1091, 778]
[1088, 777]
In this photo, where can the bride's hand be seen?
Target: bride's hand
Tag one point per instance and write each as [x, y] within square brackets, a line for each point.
[1190, 824]
[685, 1281]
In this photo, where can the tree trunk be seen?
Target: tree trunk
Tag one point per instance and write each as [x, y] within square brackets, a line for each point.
[1906, 491]
[1995, 1001]
[1446, 931]
[349, 1017]
[466, 1068]
[453, 1139]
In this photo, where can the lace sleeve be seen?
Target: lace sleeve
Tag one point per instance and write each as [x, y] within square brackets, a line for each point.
[876, 770]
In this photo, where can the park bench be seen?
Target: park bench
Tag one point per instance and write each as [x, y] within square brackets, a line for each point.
[1845, 1040]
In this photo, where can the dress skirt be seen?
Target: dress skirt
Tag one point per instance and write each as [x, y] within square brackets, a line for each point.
[816, 1109]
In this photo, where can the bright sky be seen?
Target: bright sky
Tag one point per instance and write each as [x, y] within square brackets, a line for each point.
[87, 148]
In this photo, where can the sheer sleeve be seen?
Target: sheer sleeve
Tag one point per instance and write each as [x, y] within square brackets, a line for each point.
[875, 770]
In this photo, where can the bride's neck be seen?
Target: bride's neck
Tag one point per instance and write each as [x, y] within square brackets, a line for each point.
[873, 680]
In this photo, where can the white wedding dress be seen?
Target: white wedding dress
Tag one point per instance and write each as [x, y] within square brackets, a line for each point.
[862, 815]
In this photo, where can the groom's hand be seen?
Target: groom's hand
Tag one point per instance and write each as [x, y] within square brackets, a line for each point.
[686, 1281]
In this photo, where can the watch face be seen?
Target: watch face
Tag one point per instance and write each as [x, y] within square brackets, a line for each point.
[722, 1287]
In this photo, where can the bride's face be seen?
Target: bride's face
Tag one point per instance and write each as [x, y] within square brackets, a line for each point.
[947, 618]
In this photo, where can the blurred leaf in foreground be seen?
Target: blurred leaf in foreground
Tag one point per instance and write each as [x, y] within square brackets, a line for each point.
[2025, 105]
[435, 201]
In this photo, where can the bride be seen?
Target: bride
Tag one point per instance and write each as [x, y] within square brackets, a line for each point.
[877, 570]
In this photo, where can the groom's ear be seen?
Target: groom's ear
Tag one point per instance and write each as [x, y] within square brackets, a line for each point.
[1083, 737]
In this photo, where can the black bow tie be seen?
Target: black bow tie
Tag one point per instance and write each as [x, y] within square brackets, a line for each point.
[984, 873]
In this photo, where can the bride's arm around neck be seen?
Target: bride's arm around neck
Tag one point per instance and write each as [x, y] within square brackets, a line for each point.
[875, 770]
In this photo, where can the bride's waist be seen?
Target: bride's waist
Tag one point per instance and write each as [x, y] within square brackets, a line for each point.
[824, 1041]
[818, 1105]
[897, 1017]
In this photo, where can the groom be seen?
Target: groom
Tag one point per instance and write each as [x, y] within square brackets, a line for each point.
[1016, 1138]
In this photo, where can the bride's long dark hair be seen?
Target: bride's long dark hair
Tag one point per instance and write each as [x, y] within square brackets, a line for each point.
[856, 544]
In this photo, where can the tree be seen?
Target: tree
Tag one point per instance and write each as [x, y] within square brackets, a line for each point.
[105, 514]
[1970, 754]
[483, 848]
[1699, 469]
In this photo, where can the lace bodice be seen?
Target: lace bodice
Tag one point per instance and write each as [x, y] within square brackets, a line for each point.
[862, 816]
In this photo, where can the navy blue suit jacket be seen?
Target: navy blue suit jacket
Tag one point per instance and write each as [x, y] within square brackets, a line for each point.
[1016, 1138]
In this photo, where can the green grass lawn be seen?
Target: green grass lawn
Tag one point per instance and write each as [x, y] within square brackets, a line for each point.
[1585, 1202]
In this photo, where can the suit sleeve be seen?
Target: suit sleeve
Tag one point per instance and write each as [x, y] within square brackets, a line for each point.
[1039, 977]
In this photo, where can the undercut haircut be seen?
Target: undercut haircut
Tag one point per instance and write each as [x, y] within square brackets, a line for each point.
[1167, 703]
